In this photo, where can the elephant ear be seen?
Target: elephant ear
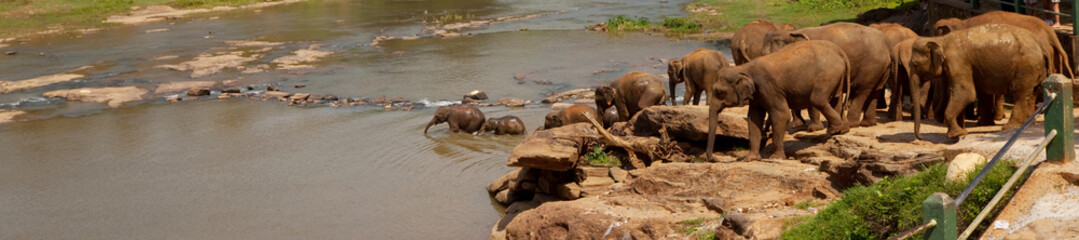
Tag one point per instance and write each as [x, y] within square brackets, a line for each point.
[943, 29]
[744, 88]
[676, 68]
[799, 36]
[936, 56]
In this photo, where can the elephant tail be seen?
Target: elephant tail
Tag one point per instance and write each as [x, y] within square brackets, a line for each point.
[845, 86]
[1059, 49]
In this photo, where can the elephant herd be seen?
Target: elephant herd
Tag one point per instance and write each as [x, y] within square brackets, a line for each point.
[838, 70]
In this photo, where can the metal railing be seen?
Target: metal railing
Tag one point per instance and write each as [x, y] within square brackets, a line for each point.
[939, 211]
[1021, 8]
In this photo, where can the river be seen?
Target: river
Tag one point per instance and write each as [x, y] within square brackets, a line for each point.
[252, 169]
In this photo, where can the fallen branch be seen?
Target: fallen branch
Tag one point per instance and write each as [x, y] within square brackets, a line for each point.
[632, 146]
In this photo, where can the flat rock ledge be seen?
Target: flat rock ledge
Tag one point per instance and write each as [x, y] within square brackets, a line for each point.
[113, 96]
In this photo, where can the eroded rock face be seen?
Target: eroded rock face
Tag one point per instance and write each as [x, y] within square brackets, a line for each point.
[552, 149]
[113, 96]
[687, 123]
[653, 202]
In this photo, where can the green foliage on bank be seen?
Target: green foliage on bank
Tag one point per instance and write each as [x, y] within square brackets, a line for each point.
[622, 22]
[600, 159]
[894, 205]
[19, 17]
[729, 15]
[681, 25]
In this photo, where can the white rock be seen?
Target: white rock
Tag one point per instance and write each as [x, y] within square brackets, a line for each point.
[963, 164]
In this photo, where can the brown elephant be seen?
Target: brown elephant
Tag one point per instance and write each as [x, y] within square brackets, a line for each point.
[698, 70]
[573, 114]
[609, 117]
[984, 60]
[631, 93]
[505, 125]
[748, 41]
[894, 33]
[869, 55]
[1043, 32]
[900, 83]
[805, 74]
[460, 118]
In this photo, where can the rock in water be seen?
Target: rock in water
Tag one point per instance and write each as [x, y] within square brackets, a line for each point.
[198, 91]
[113, 96]
[477, 95]
[511, 102]
[552, 149]
[272, 87]
[962, 164]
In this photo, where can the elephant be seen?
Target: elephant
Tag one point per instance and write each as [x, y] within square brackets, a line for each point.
[698, 70]
[803, 74]
[460, 118]
[1043, 32]
[868, 52]
[903, 78]
[505, 125]
[748, 41]
[573, 114]
[970, 64]
[609, 117]
[894, 33]
[631, 93]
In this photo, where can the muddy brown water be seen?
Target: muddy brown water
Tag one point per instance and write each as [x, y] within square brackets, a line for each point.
[251, 169]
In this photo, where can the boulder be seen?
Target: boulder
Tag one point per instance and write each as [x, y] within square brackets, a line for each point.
[504, 197]
[198, 91]
[276, 94]
[569, 191]
[584, 93]
[554, 149]
[330, 98]
[113, 96]
[511, 102]
[687, 122]
[476, 95]
[301, 85]
[272, 87]
[231, 90]
[618, 174]
[963, 164]
[178, 87]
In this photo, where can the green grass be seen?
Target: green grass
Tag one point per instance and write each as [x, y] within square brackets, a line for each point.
[699, 228]
[733, 14]
[681, 25]
[599, 158]
[21, 17]
[894, 205]
[628, 24]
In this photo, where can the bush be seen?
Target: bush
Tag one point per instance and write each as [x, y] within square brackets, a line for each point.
[894, 205]
[681, 25]
[599, 158]
[623, 23]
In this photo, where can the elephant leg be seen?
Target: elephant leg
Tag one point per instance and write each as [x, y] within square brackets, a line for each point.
[836, 125]
[796, 120]
[857, 105]
[780, 118]
[986, 110]
[962, 95]
[755, 121]
[691, 92]
[998, 100]
[881, 102]
[1024, 107]
[870, 113]
[895, 107]
[814, 121]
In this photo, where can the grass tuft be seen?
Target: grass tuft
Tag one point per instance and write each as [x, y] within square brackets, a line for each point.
[599, 158]
[681, 25]
[622, 22]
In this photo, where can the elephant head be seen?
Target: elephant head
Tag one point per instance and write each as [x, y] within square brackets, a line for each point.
[775, 40]
[442, 114]
[733, 88]
[926, 63]
[604, 96]
[677, 73]
[552, 120]
[945, 26]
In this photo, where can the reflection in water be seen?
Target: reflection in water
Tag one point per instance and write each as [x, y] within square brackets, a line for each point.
[244, 169]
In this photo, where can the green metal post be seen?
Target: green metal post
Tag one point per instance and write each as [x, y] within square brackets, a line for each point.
[1075, 19]
[975, 4]
[941, 208]
[1059, 116]
[1019, 7]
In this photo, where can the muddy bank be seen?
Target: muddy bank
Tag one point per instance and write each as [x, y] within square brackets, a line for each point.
[159, 13]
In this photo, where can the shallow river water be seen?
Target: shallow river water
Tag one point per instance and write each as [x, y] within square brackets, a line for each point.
[250, 169]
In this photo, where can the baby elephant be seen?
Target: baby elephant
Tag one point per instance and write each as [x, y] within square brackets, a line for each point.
[505, 125]
[460, 118]
[573, 114]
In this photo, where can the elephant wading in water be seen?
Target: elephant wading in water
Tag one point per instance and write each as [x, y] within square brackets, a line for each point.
[698, 70]
[870, 58]
[574, 114]
[460, 118]
[984, 60]
[505, 125]
[631, 93]
[748, 42]
[803, 74]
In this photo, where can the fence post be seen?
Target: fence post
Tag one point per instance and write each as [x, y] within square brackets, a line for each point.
[1058, 115]
[942, 208]
[1020, 7]
[975, 4]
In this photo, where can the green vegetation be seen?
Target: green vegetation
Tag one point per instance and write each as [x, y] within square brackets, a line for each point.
[599, 158]
[19, 17]
[453, 18]
[729, 15]
[681, 25]
[805, 205]
[624, 23]
[894, 205]
[700, 228]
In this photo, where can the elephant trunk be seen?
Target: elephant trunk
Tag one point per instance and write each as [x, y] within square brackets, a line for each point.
[713, 113]
[916, 105]
[673, 85]
[432, 123]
